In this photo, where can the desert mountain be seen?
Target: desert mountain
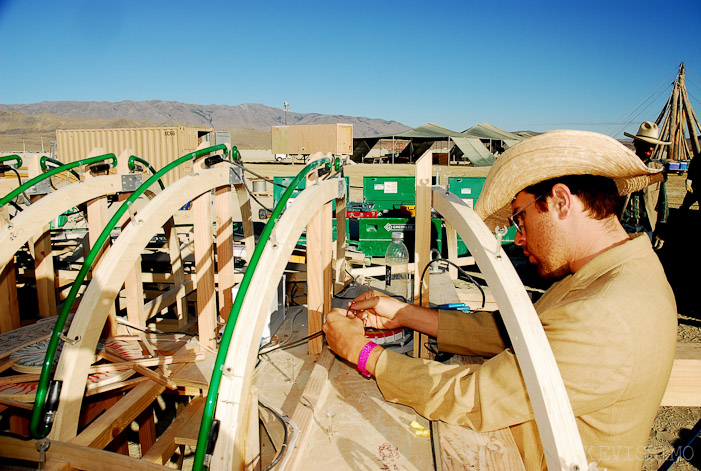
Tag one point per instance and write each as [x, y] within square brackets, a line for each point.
[248, 115]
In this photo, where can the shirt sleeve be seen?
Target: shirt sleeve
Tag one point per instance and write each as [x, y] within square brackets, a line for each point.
[471, 333]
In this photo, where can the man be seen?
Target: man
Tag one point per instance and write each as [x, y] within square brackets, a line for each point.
[647, 209]
[610, 319]
[693, 189]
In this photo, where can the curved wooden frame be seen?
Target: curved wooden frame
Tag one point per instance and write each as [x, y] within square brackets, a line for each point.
[32, 220]
[106, 283]
[233, 402]
[553, 413]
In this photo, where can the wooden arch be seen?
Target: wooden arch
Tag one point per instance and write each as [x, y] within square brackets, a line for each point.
[32, 220]
[234, 402]
[106, 283]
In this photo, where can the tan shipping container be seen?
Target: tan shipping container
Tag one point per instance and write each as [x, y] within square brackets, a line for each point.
[157, 146]
[311, 138]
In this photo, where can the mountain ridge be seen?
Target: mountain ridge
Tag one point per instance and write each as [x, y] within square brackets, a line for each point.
[246, 115]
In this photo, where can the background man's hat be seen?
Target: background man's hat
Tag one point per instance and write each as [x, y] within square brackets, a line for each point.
[649, 133]
[555, 154]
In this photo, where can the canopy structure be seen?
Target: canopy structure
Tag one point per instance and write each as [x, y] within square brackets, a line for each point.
[411, 144]
[489, 131]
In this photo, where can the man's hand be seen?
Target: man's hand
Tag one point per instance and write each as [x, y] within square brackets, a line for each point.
[658, 242]
[688, 186]
[345, 335]
[377, 310]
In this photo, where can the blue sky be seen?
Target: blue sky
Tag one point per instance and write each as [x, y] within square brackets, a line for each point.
[598, 65]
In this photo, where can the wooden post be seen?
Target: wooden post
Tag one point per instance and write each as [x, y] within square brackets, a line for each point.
[43, 255]
[318, 267]
[225, 248]
[422, 240]
[340, 261]
[204, 266]
[133, 285]
[246, 219]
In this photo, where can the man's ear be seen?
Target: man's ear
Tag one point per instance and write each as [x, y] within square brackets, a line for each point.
[561, 200]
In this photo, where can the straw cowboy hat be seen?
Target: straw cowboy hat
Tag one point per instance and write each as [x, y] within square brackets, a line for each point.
[649, 133]
[556, 154]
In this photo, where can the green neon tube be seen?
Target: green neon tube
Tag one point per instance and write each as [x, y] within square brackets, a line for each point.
[15, 157]
[132, 165]
[213, 391]
[30, 183]
[45, 159]
[41, 430]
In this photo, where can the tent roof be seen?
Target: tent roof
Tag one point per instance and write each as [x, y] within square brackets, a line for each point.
[489, 131]
[475, 151]
[425, 131]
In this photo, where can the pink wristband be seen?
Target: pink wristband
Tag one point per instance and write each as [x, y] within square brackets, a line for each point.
[363, 358]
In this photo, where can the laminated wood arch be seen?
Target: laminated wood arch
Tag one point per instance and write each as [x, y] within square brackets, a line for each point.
[546, 390]
[106, 283]
[32, 220]
[234, 402]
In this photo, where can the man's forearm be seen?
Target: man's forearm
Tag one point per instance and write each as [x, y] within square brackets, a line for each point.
[419, 318]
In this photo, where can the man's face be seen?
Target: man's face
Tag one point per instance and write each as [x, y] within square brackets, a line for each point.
[643, 149]
[539, 235]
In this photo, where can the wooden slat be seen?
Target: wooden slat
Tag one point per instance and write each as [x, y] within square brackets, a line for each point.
[683, 386]
[423, 242]
[110, 424]
[76, 456]
[186, 422]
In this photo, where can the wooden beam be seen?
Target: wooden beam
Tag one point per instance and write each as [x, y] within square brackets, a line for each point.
[683, 385]
[76, 456]
[422, 245]
[110, 424]
[187, 420]
[223, 202]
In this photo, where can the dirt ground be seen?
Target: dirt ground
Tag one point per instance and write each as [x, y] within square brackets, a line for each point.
[680, 256]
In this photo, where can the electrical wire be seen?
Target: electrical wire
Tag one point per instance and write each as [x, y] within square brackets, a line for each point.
[296, 343]
[19, 180]
[259, 176]
[283, 447]
[460, 271]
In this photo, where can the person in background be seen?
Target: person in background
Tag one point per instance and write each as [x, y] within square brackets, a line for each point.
[610, 318]
[647, 210]
[693, 185]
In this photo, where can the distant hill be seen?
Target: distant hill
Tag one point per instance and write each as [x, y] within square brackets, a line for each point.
[250, 121]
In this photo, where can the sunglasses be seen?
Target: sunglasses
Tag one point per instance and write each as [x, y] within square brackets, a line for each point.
[516, 219]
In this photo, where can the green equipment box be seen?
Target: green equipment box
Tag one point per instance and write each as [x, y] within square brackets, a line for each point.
[375, 234]
[469, 189]
[389, 192]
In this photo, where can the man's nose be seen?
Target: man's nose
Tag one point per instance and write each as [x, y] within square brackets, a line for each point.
[520, 239]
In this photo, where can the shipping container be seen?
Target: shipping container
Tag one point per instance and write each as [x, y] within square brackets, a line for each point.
[309, 139]
[158, 146]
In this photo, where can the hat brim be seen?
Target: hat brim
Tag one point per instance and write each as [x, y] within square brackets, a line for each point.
[556, 154]
[649, 140]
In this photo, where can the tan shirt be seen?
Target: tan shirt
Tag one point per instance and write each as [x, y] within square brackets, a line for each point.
[612, 327]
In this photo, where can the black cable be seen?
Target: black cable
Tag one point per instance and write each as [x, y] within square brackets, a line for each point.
[460, 270]
[19, 182]
[296, 343]
[283, 448]
[155, 332]
[259, 176]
